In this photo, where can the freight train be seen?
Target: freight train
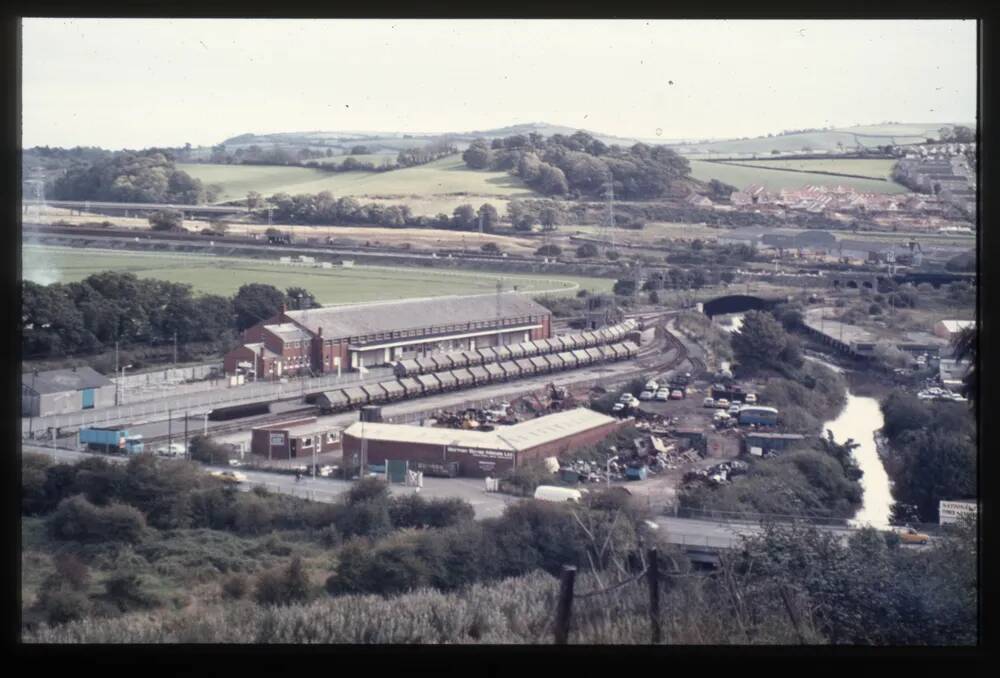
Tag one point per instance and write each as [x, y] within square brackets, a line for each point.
[428, 383]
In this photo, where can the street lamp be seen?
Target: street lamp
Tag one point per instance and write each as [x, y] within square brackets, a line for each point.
[121, 384]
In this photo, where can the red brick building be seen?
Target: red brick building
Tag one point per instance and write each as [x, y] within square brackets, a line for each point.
[478, 453]
[319, 340]
[294, 439]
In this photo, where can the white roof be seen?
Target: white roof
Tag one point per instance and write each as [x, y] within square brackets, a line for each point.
[522, 436]
[957, 325]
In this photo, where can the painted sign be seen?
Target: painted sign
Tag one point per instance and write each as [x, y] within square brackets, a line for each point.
[277, 439]
[950, 512]
[487, 454]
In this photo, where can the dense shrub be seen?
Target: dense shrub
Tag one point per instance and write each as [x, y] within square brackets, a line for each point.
[283, 586]
[79, 520]
[235, 586]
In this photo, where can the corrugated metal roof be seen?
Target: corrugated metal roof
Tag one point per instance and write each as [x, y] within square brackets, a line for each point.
[518, 437]
[59, 381]
[364, 319]
[288, 332]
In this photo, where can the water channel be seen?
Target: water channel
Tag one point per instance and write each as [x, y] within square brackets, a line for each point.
[859, 420]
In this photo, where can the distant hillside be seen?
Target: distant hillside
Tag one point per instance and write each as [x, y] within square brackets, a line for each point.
[832, 140]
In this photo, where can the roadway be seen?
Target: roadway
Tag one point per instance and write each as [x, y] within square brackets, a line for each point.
[688, 532]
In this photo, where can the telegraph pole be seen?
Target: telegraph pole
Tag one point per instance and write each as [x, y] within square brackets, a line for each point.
[175, 349]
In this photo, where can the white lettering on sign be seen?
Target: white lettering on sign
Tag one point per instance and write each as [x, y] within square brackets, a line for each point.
[277, 439]
[487, 454]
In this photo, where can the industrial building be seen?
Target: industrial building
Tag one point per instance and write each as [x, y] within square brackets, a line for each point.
[331, 339]
[949, 329]
[65, 391]
[294, 438]
[477, 453]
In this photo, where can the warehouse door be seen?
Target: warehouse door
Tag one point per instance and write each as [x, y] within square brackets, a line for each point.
[88, 398]
[397, 469]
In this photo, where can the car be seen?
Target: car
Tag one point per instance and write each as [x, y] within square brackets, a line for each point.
[171, 450]
[651, 385]
[734, 409]
[647, 395]
[626, 398]
[750, 399]
[708, 402]
[234, 477]
[663, 394]
[618, 407]
[722, 404]
[235, 463]
[908, 535]
[676, 394]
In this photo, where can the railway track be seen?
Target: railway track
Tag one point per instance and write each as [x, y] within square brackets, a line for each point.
[238, 425]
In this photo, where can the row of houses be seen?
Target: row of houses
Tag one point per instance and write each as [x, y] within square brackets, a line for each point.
[951, 178]
[831, 199]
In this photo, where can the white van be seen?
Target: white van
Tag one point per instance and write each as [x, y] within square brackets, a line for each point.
[553, 493]
[172, 450]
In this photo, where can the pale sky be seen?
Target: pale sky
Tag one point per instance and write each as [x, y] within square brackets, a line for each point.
[134, 83]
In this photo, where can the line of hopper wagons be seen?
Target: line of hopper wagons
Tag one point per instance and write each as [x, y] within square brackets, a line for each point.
[435, 373]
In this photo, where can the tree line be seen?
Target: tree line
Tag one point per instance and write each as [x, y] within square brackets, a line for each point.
[132, 176]
[93, 314]
[579, 165]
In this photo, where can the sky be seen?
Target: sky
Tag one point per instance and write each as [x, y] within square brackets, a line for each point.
[135, 83]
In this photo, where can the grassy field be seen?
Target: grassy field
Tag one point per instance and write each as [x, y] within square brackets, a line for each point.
[876, 169]
[775, 180]
[446, 176]
[219, 275]
[868, 136]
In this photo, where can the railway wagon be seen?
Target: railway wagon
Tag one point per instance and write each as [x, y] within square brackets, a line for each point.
[239, 411]
[463, 377]
[541, 364]
[375, 393]
[529, 348]
[488, 354]
[445, 362]
[411, 387]
[503, 353]
[495, 371]
[393, 389]
[332, 401]
[426, 365]
[582, 357]
[429, 382]
[526, 366]
[480, 374]
[472, 357]
[447, 380]
[406, 368]
[356, 396]
[569, 360]
[510, 369]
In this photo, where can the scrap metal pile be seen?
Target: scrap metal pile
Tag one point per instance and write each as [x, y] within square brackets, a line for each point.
[480, 419]
[719, 474]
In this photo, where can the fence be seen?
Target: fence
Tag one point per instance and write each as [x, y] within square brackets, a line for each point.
[567, 582]
[750, 517]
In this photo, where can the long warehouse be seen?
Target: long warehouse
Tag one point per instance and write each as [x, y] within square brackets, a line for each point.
[329, 339]
[478, 453]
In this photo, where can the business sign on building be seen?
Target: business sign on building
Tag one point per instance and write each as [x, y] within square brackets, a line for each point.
[277, 439]
[950, 512]
[486, 454]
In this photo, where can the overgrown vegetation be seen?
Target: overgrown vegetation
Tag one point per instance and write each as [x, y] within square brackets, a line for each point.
[932, 449]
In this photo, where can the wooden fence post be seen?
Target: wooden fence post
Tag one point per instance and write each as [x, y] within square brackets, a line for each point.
[654, 594]
[565, 606]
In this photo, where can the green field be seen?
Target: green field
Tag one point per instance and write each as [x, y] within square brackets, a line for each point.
[441, 177]
[339, 285]
[876, 169]
[374, 158]
[775, 180]
[843, 138]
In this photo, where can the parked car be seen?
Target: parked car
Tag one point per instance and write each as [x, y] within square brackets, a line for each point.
[663, 394]
[908, 535]
[722, 404]
[651, 385]
[618, 407]
[647, 395]
[750, 399]
[626, 398]
[234, 477]
[677, 394]
[734, 409]
[708, 402]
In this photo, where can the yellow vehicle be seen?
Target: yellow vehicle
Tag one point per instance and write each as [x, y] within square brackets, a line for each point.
[908, 535]
[234, 477]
